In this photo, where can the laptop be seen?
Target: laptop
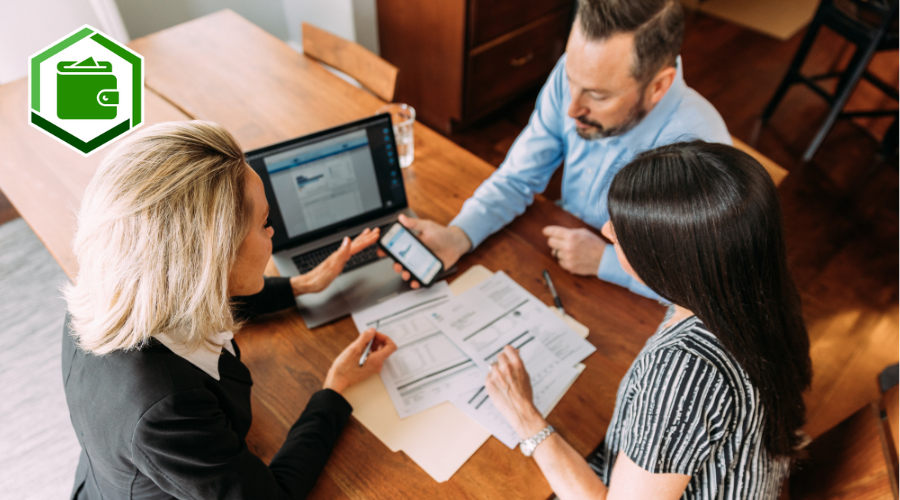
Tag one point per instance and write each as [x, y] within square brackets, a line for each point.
[323, 187]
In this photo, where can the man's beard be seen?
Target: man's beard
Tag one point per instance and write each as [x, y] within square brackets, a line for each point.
[635, 115]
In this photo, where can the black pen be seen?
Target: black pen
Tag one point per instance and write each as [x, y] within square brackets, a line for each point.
[553, 292]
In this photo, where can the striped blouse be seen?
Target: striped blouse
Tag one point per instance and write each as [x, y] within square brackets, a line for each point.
[685, 406]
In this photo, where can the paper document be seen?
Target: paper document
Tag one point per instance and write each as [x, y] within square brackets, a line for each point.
[496, 313]
[441, 438]
[499, 312]
[476, 404]
[427, 368]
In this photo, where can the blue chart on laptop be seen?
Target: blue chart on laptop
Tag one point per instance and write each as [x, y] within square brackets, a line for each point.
[304, 181]
[325, 182]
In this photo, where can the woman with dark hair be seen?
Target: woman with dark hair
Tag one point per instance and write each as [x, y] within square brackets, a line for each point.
[712, 405]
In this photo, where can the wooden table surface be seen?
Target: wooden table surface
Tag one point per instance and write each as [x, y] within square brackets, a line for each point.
[225, 69]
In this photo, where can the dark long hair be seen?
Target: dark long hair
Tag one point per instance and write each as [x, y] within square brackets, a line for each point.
[701, 225]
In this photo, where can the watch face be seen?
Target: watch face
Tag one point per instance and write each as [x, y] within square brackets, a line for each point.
[527, 448]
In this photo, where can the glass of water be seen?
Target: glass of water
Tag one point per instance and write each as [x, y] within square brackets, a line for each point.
[403, 116]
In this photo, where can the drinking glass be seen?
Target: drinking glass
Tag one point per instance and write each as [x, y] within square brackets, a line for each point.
[402, 117]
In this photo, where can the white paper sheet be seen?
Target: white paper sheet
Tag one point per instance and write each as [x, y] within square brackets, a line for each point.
[427, 368]
[439, 439]
[499, 312]
[476, 404]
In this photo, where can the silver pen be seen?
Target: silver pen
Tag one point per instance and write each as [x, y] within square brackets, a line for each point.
[553, 292]
[365, 354]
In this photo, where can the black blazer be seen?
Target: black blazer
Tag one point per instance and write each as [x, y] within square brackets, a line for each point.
[152, 425]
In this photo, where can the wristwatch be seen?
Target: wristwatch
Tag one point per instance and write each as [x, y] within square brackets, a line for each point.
[528, 445]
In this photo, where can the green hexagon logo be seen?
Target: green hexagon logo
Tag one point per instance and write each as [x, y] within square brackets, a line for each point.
[86, 90]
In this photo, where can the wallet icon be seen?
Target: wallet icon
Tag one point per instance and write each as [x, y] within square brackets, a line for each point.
[86, 90]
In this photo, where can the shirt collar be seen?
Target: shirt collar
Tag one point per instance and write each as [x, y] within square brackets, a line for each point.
[205, 357]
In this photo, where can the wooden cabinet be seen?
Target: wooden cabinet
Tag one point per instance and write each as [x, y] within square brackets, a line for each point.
[461, 59]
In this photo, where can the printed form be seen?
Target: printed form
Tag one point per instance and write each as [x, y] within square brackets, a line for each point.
[427, 368]
[476, 404]
[499, 312]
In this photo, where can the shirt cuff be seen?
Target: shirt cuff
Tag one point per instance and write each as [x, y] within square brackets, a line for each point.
[473, 225]
[610, 270]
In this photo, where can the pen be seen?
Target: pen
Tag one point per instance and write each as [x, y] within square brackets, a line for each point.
[365, 354]
[553, 292]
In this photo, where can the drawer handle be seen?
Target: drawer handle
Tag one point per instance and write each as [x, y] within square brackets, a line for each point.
[521, 61]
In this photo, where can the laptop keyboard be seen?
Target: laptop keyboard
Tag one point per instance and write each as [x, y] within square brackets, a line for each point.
[309, 260]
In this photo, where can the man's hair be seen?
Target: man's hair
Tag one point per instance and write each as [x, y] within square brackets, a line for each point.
[658, 27]
[158, 232]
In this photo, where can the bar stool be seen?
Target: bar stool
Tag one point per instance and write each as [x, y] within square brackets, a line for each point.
[871, 25]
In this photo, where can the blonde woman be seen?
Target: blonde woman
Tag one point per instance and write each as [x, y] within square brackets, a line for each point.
[172, 241]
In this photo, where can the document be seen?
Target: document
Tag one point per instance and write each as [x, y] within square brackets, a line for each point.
[440, 439]
[496, 313]
[427, 368]
[499, 312]
[476, 404]
[328, 190]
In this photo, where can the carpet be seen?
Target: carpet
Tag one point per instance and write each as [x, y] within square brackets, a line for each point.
[40, 450]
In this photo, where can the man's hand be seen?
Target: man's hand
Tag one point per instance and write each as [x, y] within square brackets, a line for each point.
[578, 250]
[448, 243]
[322, 275]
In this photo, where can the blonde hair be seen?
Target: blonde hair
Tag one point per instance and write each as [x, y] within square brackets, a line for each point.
[159, 229]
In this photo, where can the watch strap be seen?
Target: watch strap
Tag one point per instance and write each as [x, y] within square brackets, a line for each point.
[529, 445]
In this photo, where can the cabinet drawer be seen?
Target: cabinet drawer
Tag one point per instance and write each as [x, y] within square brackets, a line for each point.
[499, 71]
[492, 18]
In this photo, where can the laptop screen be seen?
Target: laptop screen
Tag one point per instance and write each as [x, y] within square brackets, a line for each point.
[331, 180]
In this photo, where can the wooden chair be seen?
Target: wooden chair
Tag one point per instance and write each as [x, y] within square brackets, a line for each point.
[374, 73]
[855, 459]
[778, 174]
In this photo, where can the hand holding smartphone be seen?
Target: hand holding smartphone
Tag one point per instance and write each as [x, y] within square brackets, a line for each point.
[407, 250]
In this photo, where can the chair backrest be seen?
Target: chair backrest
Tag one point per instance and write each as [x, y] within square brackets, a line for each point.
[848, 461]
[778, 174]
[855, 459]
[373, 72]
[890, 417]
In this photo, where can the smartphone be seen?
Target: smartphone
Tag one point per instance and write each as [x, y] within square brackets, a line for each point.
[411, 253]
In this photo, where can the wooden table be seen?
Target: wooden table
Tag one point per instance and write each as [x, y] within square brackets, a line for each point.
[223, 68]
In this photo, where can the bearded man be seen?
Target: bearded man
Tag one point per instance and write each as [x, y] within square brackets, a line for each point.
[617, 91]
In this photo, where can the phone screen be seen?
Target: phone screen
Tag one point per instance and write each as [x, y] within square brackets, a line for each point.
[410, 252]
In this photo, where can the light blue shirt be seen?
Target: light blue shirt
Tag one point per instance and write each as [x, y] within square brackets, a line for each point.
[550, 139]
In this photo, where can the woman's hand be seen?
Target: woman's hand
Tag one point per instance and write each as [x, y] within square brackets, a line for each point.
[509, 387]
[345, 371]
[322, 275]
